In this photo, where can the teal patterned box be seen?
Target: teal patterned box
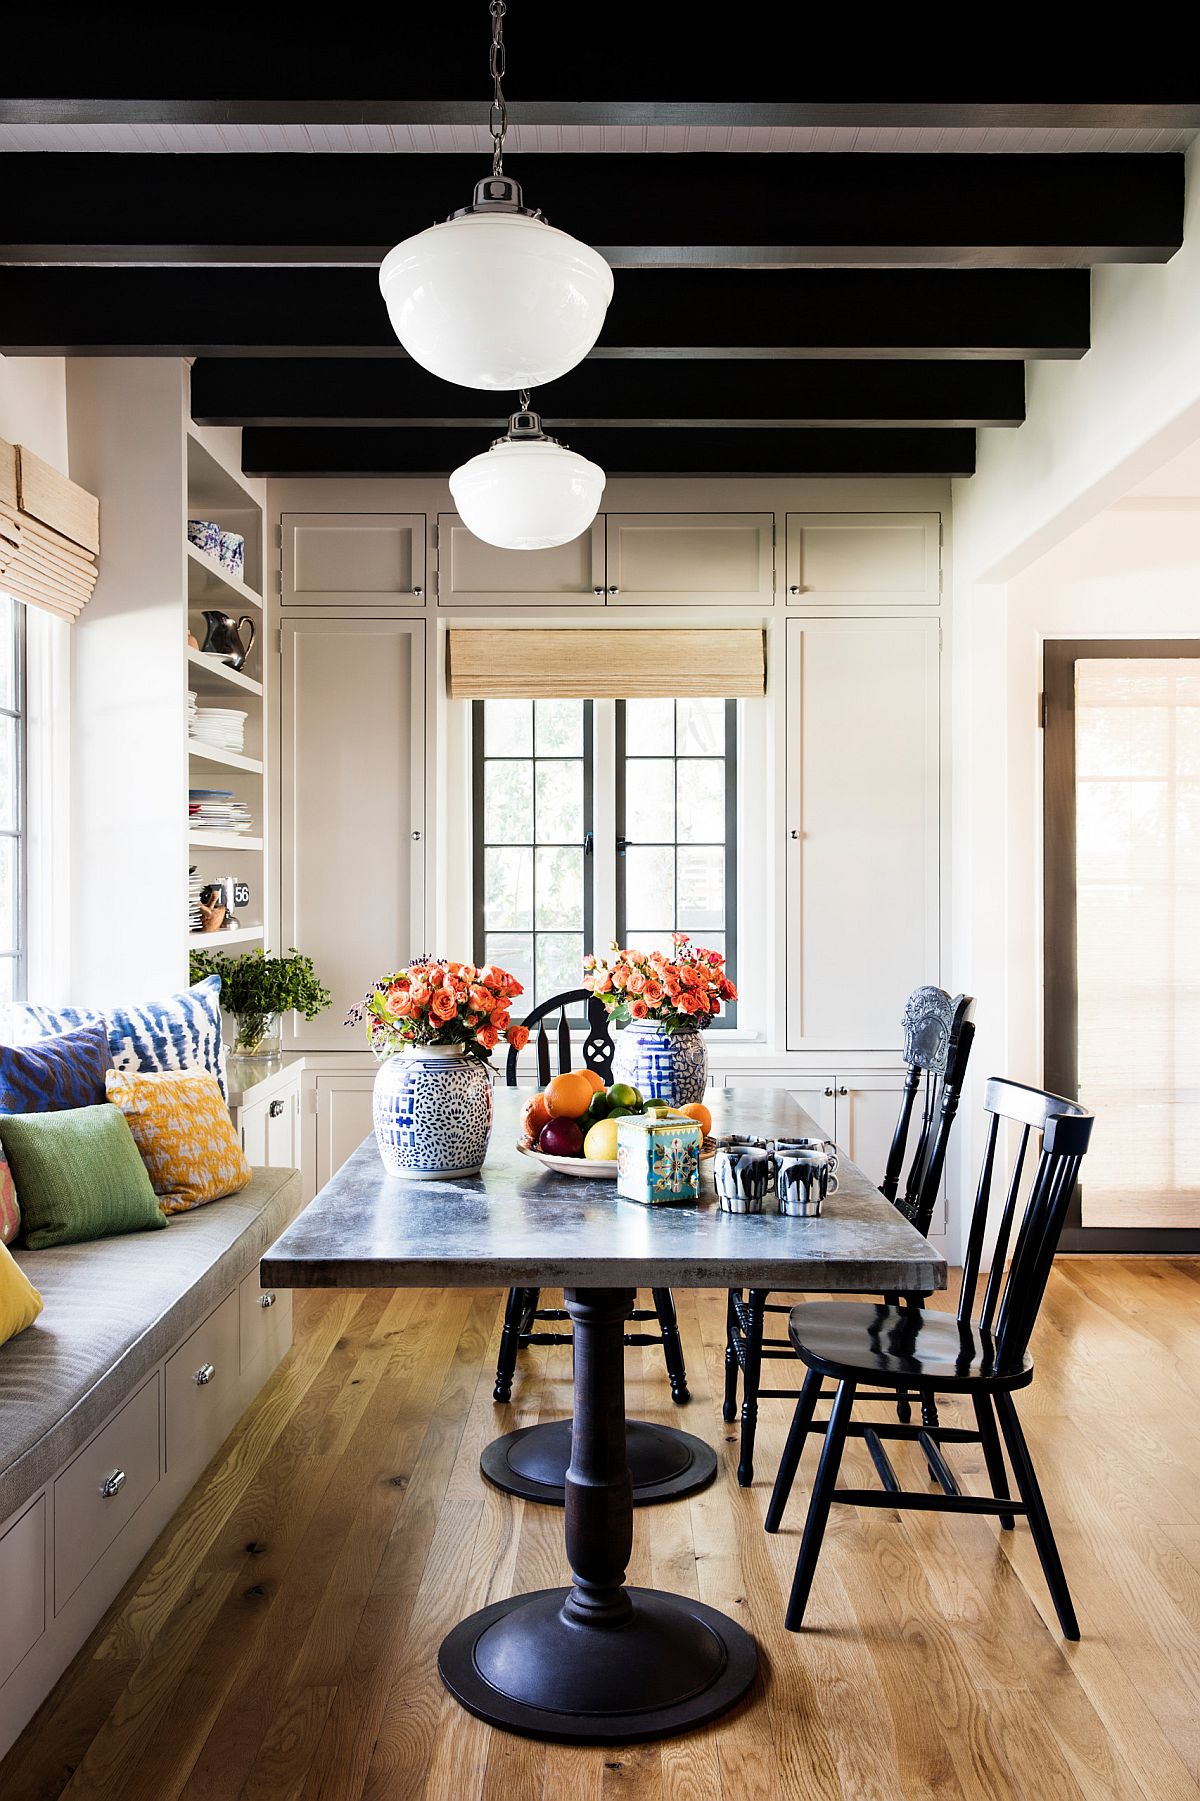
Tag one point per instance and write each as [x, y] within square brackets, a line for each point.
[658, 1160]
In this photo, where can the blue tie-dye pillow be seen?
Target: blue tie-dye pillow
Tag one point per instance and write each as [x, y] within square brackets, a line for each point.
[183, 1031]
[55, 1074]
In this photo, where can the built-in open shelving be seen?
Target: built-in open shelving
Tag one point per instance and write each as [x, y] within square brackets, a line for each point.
[224, 841]
[221, 673]
[209, 582]
[231, 759]
[211, 941]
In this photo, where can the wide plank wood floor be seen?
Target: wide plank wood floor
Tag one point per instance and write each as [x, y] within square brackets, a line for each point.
[279, 1640]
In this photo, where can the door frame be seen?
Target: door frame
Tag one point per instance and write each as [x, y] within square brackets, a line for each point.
[1060, 1015]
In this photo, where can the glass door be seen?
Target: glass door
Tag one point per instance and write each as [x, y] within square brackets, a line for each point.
[1122, 941]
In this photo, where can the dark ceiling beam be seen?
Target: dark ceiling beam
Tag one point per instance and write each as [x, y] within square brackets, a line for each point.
[345, 392]
[1001, 313]
[641, 211]
[313, 452]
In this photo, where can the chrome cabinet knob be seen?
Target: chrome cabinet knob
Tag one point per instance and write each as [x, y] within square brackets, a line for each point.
[204, 1375]
[417, 593]
[829, 1091]
[266, 1300]
[112, 1485]
[613, 590]
[598, 592]
[794, 588]
[843, 1091]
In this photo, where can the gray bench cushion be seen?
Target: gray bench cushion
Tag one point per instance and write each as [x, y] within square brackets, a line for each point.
[113, 1308]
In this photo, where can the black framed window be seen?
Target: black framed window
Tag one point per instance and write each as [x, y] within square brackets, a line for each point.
[676, 806]
[532, 817]
[13, 945]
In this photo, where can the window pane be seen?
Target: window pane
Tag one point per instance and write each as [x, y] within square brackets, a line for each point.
[508, 728]
[8, 894]
[650, 941]
[700, 728]
[649, 728]
[8, 773]
[701, 800]
[559, 728]
[508, 802]
[8, 978]
[560, 889]
[650, 800]
[508, 889]
[513, 951]
[559, 963]
[701, 900]
[650, 887]
[560, 802]
[8, 686]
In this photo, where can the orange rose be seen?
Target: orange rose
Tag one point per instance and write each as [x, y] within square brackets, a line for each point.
[488, 1037]
[500, 1019]
[638, 1009]
[512, 987]
[420, 994]
[443, 1006]
[518, 1037]
[652, 993]
[637, 982]
[481, 999]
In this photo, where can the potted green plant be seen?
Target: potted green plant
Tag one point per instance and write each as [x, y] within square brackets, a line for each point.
[256, 990]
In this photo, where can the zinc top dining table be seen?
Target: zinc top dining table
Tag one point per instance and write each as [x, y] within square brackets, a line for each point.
[599, 1662]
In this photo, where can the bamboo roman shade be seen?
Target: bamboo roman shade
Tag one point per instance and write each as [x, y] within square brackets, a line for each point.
[49, 534]
[607, 664]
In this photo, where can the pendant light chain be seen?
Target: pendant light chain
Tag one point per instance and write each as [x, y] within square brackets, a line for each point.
[498, 117]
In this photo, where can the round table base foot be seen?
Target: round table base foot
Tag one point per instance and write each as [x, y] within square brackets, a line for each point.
[526, 1666]
[665, 1463]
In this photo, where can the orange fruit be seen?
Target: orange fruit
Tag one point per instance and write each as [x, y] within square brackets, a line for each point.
[567, 1096]
[699, 1112]
[597, 1082]
[534, 1115]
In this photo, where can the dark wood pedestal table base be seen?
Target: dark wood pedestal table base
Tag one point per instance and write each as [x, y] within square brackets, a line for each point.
[599, 1662]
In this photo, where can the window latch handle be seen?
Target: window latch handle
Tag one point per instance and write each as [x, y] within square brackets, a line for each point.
[587, 844]
[622, 846]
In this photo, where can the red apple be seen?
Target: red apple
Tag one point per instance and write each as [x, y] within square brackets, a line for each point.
[561, 1138]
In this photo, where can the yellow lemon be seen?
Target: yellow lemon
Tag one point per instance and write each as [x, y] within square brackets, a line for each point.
[601, 1142]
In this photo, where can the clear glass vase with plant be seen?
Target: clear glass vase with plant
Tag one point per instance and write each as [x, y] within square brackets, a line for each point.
[257, 989]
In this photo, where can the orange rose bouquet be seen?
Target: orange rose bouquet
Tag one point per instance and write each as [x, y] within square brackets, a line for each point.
[682, 992]
[435, 1001]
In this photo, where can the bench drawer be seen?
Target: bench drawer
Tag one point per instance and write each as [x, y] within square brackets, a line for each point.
[202, 1388]
[99, 1493]
[23, 1586]
[266, 1322]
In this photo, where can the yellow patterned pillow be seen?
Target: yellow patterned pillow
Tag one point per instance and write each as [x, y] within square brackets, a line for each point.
[182, 1128]
[20, 1302]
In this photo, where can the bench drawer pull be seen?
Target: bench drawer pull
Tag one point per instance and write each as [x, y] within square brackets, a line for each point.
[112, 1485]
[266, 1300]
[204, 1375]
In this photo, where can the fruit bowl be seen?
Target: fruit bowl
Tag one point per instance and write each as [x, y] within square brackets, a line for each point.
[572, 1166]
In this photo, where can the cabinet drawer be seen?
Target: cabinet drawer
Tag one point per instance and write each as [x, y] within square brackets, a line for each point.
[202, 1388]
[266, 1322]
[23, 1586]
[99, 1493]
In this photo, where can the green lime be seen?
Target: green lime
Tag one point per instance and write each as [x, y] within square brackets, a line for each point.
[598, 1106]
[654, 1105]
[621, 1094]
[619, 1112]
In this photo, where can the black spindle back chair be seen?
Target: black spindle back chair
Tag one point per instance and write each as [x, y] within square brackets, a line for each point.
[985, 1356]
[938, 1034]
[522, 1312]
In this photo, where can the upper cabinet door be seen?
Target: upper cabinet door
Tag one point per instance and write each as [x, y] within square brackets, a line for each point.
[471, 573]
[863, 827]
[864, 560]
[689, 559]
[353, 560]
[352, 821]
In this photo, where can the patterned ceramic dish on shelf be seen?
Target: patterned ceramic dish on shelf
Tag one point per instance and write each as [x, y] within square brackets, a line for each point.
[594, 1166]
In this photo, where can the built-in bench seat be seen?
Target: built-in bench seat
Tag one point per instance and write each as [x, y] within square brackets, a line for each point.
[149, 1348]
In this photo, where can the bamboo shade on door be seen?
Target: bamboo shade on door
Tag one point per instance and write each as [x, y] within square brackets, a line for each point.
[49, 534]
[606, 664]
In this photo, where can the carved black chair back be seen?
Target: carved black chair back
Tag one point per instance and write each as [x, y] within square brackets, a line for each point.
[938, 1034]
[597, 1046]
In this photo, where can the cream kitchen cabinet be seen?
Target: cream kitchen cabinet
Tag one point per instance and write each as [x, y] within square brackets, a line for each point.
[352, 805]
[343, 1108]
[863, 827]
[266, 1116]
[471, 573]
[852, 561]
[352, 560]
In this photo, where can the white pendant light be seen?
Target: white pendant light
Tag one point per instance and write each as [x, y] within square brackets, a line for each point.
[528, 492]
[495, 297]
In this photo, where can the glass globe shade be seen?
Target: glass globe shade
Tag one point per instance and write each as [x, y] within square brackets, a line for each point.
[496, 299]
[527, 496]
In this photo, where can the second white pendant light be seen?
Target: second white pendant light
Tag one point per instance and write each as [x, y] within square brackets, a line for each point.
[527, 492]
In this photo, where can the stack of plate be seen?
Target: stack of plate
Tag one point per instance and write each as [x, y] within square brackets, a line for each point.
[216, 810]
[191, 712]
[224, 727]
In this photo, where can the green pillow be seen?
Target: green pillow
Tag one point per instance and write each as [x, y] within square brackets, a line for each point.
[79, 1175]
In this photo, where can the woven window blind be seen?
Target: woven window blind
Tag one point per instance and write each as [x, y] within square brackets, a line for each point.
[49, 534]
[612, 663]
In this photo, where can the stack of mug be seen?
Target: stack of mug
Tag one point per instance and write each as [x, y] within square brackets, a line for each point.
[793, 1175]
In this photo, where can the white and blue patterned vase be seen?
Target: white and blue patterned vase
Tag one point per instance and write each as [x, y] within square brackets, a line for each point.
[433, 1113]
[673, 1066]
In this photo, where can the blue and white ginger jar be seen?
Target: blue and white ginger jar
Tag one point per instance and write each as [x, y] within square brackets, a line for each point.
[432, 1112]
[673, 1066]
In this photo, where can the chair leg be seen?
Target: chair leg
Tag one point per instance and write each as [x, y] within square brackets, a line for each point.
[993, 1456]
[510, 1344]
[664, 1307]
[729, 1405]
[793, 1450]
[929, 1420]
[750, 1378]
[1039, 1520]
[818, 1506]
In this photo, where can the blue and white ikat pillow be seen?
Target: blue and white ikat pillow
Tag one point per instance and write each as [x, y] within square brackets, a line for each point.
[183, 1031]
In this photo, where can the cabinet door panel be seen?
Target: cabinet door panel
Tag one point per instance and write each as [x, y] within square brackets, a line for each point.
[283, 1129]
[863, 827]
[352, 768]
[684, 558]
[343, 1120]
[867, 1110]
[252, 1123]
[863, 559]
[353, 560]
[472, 573]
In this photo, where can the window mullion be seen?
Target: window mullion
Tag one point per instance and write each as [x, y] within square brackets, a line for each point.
[608, 810]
